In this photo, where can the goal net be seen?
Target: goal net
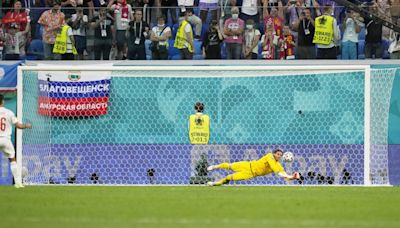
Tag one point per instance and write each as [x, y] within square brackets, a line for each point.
[129, 125]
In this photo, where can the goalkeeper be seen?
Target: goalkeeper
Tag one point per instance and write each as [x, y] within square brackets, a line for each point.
[246, 170]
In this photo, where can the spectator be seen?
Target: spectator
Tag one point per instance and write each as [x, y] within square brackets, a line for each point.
[336, 9]
[196, 21]
[64, 43]
[169, 6]
[184, 38]
[51, 20]
[208, 5]
[294, 9]
[233, 31]
[250, 11]
[159, 36]
[305, 28]
[16, 17]
[33, 9]
[251, 38]
[226, 7]
[122, 17]
[187, 6]
[288, 44]
[145, 6]
[211, 46]
[384, 9]
[314, 7]
[268, 47]
[384, 6]
[351, 28]
[274, 20]
[373, 39]
[394, 48]
[68, 6]
[394, 10]
[87, 6]
[103, 26]
[137, 34]
[326, 35]
[15, 42]
[79, 25]
[269, 4]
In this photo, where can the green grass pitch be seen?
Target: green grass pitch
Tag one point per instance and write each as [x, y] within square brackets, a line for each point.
[188, 206]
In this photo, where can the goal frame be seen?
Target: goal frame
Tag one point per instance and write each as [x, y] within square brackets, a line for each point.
[163, 68]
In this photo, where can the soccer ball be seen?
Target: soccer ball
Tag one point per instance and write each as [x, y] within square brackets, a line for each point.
[288, 157]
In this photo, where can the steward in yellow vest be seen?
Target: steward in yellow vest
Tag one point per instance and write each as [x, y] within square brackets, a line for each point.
[61, 43]
[199, 126]
[183, 39]
[324, 33]
[323, 30]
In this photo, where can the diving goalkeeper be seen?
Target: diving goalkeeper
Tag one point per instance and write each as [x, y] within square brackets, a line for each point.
[246, 170]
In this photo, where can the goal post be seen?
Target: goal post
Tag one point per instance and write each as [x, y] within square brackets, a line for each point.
[128, 124]
[367, 126]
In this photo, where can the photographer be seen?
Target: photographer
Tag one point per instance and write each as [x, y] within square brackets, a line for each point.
[79, 25]
[103, 26]
[351, 27]
[211, 45]
[305, 27]
[294, 9]
[373, 38]
[137, 33]
[159, 36]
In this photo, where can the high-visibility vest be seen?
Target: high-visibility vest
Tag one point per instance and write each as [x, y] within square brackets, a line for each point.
[199, 129]
[323, 30]
[60, 45]
[180, 37]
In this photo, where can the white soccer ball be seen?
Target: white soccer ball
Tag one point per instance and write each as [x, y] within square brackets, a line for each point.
[288, 157]
[24, 172]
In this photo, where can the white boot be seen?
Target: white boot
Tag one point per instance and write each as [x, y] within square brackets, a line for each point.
[210, 168]
[19, 186]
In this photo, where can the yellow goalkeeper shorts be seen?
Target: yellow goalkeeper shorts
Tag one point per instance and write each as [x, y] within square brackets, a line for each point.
[242, 171]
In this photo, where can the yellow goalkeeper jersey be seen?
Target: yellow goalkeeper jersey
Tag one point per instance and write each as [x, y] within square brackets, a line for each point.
[266, 165]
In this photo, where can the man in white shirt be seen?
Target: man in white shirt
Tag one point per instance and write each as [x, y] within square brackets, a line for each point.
[7, 119]
[351, 28]
[250, 11]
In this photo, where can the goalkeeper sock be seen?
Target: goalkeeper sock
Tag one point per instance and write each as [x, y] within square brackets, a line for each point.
[15, 172]
[224, 165]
